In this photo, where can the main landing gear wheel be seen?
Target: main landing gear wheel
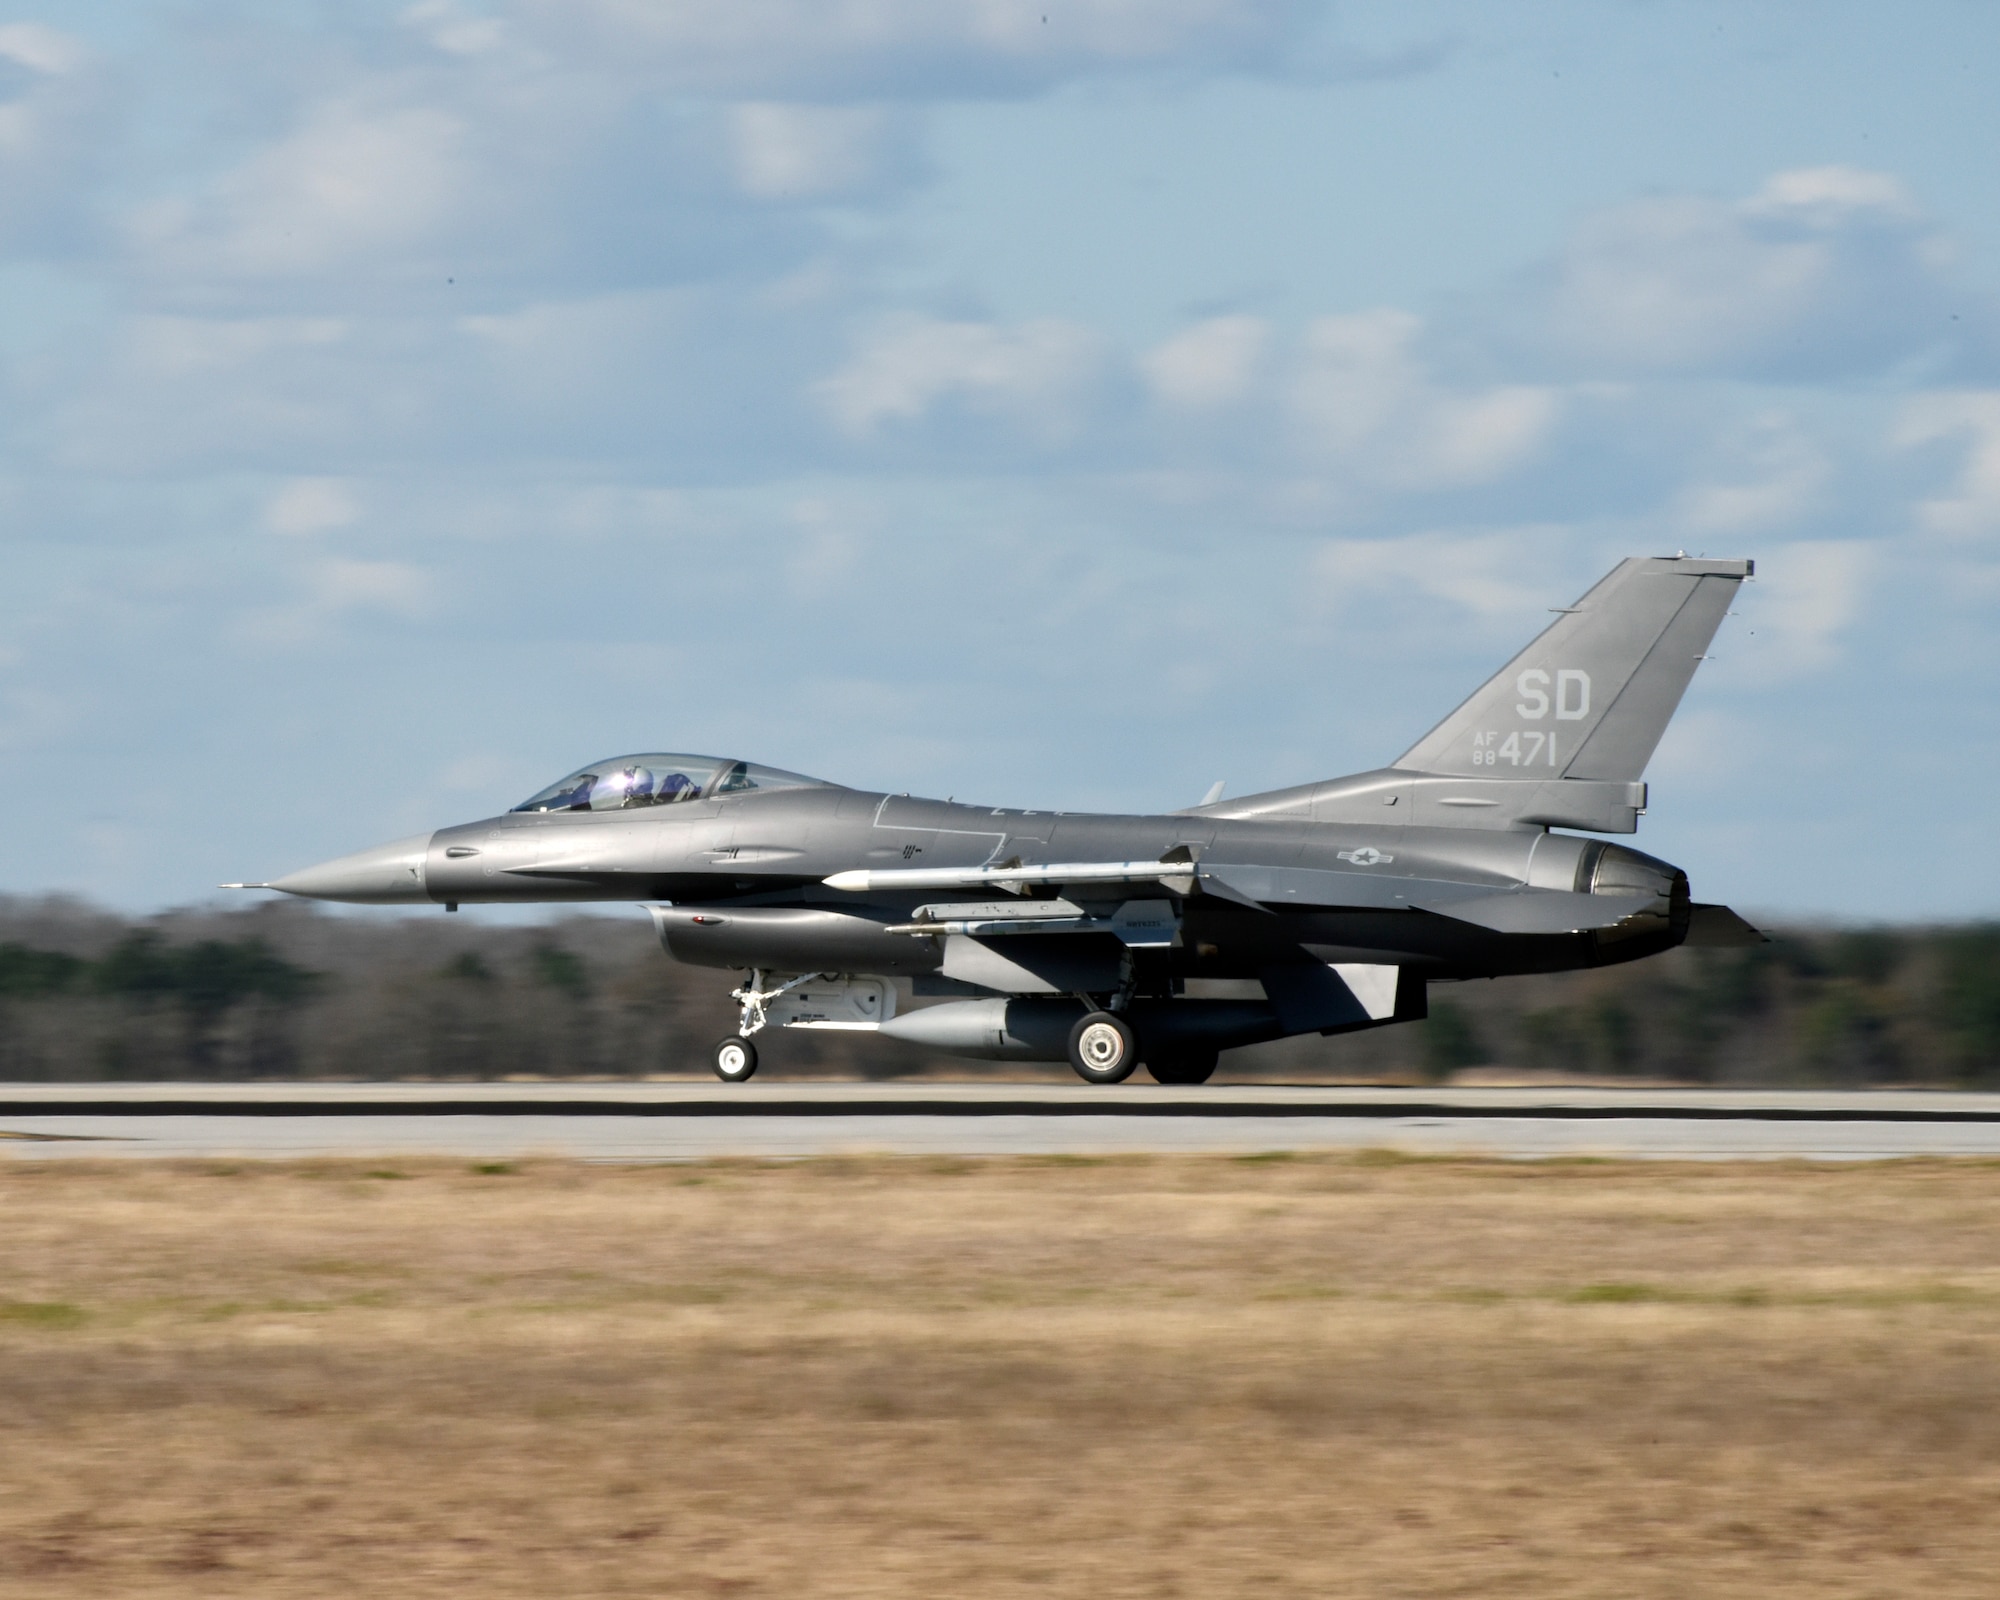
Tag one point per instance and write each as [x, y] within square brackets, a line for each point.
[735, 1059]
[1186, 1066]
[1102, 1048]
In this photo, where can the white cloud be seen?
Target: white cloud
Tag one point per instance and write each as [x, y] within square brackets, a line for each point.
[1831, 195]
[612, 143]
[189, 347]
[1808, 594]
[1677, 283]
[1485, 573]
[1974, 417]
[1703, 746]
[662, 382]
[1822, 271]
[310, 505]
[1365, 402]
[1209, 365]
[55, 128]
[395, 587]
[335, 589]
[39, 48]
[477, 179]
[829, 546]
[1036, 373]
[455, 30]
[799, 152]
[355, 182]
[1776, 480]
[929, 46]
[178, 390]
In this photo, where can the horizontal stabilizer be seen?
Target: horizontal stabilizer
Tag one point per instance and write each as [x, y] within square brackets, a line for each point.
[1719, 928]
[1544, 910]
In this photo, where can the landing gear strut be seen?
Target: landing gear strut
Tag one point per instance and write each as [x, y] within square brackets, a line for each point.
[736, 1056]
[756, 997]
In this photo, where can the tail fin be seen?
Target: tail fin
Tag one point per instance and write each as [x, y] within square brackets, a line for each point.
[1590, 698]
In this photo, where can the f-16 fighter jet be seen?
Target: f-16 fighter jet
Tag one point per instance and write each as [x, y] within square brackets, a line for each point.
[1113, 941]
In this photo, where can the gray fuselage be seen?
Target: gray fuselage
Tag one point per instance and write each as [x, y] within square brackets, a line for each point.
[1323, 908]
[763, 858]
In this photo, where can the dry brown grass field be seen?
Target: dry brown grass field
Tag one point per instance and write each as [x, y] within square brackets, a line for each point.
[898, 1377]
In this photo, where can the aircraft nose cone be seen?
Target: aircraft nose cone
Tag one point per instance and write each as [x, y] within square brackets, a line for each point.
[389, 874]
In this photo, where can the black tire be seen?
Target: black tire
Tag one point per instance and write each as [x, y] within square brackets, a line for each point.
[1102, 1048]
[1182, 1066]
[735, 1060]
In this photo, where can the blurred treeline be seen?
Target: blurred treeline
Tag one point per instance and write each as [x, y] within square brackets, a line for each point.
[286, 990]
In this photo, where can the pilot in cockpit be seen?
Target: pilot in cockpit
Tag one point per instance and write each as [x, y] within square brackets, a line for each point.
[637, 782]
[638, 786]
[655, 779]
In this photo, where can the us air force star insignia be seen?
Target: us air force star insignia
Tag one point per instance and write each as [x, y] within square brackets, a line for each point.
[1366, 856]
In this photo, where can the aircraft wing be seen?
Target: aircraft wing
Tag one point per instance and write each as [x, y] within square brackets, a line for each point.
[1515, 910]
[1256, 887]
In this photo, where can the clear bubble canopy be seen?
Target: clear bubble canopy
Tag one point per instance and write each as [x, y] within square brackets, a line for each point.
[659, 779]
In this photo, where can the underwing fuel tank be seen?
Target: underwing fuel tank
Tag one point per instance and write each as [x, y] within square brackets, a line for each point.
[790, 939]
[1038, 1030]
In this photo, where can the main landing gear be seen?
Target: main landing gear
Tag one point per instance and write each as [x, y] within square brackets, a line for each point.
[1104, 1049]
[1182, 1066]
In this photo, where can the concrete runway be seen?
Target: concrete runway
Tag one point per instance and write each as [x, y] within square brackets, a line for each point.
[698, 1121]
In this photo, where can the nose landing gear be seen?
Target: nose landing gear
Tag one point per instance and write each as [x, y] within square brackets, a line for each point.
[735, 1059]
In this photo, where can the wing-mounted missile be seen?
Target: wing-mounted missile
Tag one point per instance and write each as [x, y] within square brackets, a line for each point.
[1137, 924]
[1059, 874]
[1178, 871]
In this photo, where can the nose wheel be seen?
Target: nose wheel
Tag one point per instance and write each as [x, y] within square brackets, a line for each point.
[735, 1060]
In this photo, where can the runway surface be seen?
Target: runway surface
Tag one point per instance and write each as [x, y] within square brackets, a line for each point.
[699, 1121]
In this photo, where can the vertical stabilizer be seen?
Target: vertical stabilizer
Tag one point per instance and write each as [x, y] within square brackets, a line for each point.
[1590, 698]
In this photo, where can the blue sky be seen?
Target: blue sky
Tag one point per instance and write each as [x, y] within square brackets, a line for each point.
[1066, 402]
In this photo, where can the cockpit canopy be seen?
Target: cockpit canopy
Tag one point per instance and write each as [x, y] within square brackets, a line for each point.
[659, 780]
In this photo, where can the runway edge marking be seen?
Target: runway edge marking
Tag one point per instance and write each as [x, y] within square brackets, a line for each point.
[750, 1106]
